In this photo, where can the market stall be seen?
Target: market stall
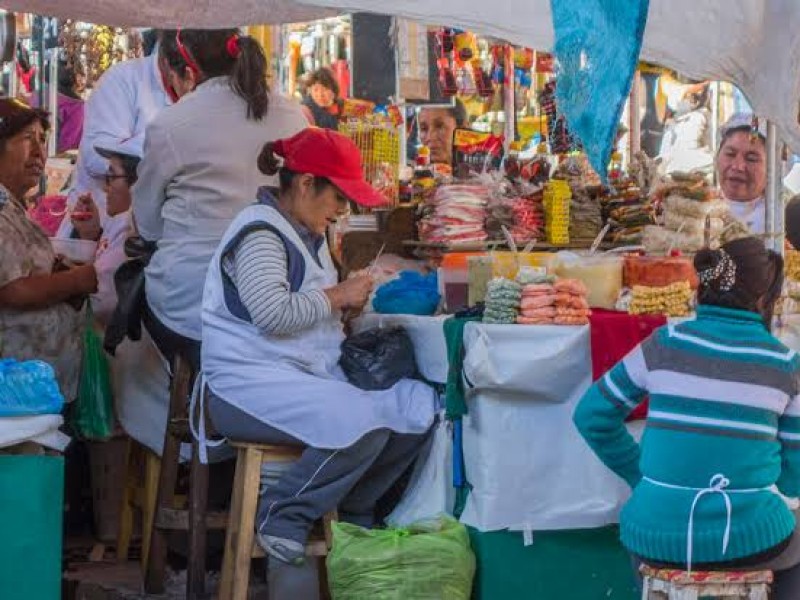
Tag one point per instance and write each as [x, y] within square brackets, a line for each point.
[527, 364]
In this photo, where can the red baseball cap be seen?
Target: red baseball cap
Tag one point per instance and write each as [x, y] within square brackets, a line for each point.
[326, 153]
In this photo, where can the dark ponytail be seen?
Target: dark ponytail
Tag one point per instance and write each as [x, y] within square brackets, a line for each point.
[223, 52]
[742, 274]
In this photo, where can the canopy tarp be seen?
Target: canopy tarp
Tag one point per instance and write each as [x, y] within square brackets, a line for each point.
[751, 43]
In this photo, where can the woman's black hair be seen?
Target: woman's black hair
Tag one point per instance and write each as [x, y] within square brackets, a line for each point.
[325, 78]
[66, 80]
[150, 38]
[210, 50]
[269, 164]
[458, 112]
[757, 277]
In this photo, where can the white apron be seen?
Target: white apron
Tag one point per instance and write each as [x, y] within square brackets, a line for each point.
[293, 383]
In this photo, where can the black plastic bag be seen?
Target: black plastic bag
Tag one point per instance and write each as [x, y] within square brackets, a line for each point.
[126, 321]
[376, 359]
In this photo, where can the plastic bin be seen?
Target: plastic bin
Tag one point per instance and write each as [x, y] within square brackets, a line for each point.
[454, 279]
[31, 517]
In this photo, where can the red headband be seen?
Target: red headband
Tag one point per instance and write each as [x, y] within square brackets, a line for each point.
[232, 46]
[185, 54]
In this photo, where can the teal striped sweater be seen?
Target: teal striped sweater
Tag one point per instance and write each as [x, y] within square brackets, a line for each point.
[723, 400]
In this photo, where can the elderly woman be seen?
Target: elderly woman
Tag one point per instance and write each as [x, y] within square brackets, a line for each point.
[436, 128]
[272, 333]
[40, 296]
[717, 475]
[742, 171]
[322, 104]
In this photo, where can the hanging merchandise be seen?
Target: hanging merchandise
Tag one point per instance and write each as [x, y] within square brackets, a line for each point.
[465, 45]
[561, 141]
[597, 44]
[475, 153]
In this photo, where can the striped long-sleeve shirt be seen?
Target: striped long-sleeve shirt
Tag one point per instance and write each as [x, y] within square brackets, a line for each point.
[723, 400]
[258, 268]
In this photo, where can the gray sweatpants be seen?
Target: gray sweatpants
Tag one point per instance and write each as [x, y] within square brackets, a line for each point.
[352, 479]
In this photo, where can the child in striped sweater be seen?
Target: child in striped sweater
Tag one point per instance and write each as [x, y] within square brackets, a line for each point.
[717, 474]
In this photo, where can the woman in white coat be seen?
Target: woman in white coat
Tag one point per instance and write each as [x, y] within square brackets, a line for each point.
[198, 170]
[272, 331]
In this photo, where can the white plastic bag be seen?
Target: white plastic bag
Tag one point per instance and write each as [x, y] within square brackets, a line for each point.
[430, 492]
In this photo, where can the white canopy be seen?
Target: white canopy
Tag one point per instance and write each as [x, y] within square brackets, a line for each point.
[752, 43]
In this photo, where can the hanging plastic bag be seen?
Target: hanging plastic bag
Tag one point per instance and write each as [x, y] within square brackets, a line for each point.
[428, 561]
[430, 492]
[376, 359]
[94, 409]
[28, 388]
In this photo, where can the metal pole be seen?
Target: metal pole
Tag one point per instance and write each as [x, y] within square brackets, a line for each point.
[510, 107]
[52, 102]
[774, 205]
[635, 116]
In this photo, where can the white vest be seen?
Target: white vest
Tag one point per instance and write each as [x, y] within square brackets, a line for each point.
[293, 382]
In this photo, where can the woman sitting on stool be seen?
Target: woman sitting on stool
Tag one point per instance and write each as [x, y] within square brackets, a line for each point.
[272, 330]
[716, 478]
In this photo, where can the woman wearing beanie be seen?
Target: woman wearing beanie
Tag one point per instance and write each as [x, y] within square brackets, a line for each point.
[717, 475]
[272, 331]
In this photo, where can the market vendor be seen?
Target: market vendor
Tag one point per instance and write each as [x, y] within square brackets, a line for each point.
[125, 99]
[742, 171]
[322, 104]
[198, 169]
[717, 475]
[41, 296]
[272, 332]
[436, 127]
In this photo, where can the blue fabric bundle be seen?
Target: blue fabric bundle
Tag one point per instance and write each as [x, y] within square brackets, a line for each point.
[597, 44]
[28, 388]
[410, 294]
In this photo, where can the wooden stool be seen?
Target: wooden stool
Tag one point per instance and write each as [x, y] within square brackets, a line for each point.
[671, 584]
[196, 520]
[240, 545]
[141, 488]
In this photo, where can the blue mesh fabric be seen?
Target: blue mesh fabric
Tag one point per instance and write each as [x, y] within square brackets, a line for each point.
[597, 44]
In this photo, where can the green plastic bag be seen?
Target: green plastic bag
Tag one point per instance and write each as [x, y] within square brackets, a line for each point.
[94, 409]
[430, 560]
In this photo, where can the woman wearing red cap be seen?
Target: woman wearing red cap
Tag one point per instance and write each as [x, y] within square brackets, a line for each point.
[272, 330]
[198, 169]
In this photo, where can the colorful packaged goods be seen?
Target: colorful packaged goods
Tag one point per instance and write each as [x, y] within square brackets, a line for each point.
[600, 273]
[455, 215]
[475, 153]
[557, 198]
[502, 301]
[658, 271]
[672, 300]
[550, 301]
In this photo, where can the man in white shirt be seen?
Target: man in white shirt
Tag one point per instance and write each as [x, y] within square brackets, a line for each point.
[125, 100]
[742, 171]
